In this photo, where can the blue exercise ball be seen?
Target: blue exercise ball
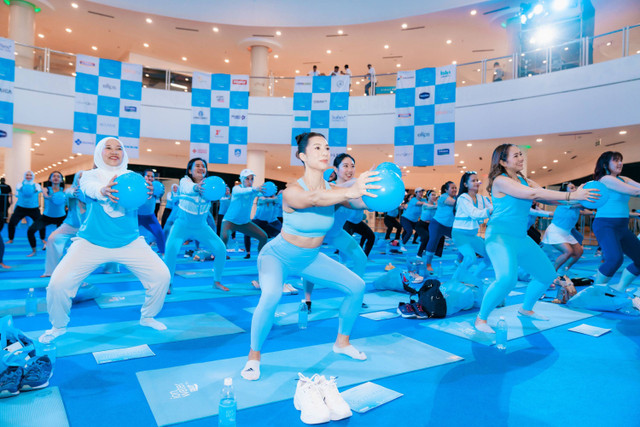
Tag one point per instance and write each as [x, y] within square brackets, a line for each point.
[132, 190]
[214, 188]
[28, 189]
[604, 195]
[390, 195]
[327, 174]
[58, 198]
[270, 189]
[390, 166]
[158, 189]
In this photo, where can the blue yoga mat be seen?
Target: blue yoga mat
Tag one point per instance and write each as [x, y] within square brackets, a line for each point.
[181, 293]
[189, 392]
[34, 409]
[16, 307]
[229, 271]
[108, 336]
[287, 314]
[518, 326]
[43, 282]
[24, 266]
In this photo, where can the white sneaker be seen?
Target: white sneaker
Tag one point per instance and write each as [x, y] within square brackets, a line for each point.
[338, 407]
[636, 303]
[51, 334]
[309, 401]
[402, 249]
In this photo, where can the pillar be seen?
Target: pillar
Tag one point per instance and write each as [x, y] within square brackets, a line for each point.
[256, 162]
[17, 159]
[259, 68]
[22, 29]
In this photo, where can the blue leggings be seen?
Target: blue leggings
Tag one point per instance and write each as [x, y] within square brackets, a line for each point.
[616, 239]
[407, 228]
[469, 244]
[356, 259]
[150, 222]
[190, 227]
[506, 253]
[280, 258]
[436, 232]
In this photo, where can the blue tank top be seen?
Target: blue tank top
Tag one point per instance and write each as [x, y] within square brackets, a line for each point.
[28, 195]
[393, 213]
[510, 214]
[342, 214]
[224, 205]
[616, 207]
[103, 230]
[412, 213]
[73, 219]
[427, 213]
[565, 217]
[264, 209]
[315, 221]
[148, 208]
[51, 209]
[239, 211]
[444, 213]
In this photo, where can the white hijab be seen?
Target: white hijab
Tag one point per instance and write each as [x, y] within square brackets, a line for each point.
[28, 181]
[103, 173]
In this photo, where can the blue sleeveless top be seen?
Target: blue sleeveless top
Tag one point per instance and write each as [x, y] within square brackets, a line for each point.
[510, 214]
[412, 213]
[315, 221]
[565, 217]
[616, 207]
[444, 213]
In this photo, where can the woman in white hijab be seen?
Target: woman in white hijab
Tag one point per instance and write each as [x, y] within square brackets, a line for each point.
[108, 234]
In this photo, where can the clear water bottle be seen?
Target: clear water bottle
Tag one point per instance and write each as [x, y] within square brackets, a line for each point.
[303, 315]
[439, 272]
[227, 408]
[31, 303]
[50, 350]
[501, 334]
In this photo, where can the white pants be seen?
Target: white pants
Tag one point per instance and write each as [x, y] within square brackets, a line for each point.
[83, 257]
[55, 246]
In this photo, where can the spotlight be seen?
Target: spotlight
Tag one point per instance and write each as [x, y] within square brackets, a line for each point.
[559, 5]
[538, 9]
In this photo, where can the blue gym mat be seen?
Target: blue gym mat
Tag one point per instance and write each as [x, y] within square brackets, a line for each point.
[518, 326]
[43, 282]
[209, 273]
[36, 408]
[287, 314]
[189, 392]
[108, 336]
[182, 293]
[16, 307]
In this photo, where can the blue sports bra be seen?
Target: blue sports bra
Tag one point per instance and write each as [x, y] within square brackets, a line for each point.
[309, 222]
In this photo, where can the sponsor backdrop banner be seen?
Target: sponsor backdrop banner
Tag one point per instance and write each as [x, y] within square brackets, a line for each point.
[321, 104]
[219, 116]
[7, 78]
[107, 103]
[425, 117]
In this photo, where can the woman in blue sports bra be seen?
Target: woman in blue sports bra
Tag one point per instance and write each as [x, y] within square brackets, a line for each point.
[507, 243]
[611, 225]
[308, 206]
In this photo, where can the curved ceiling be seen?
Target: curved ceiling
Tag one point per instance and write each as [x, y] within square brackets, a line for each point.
[287, 13]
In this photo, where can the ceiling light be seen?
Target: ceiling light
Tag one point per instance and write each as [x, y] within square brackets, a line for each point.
[469, 145]
[464, 81]
[42, 138]
[68, 30]
[37, 144]
[71, 63]
[473, 12]
[74, 5]
[449, 41]
[58, 162]
[216, 29]
[461, 162]
[329, 51]
[386, 46]
[544, 167]
[146, 74]
[510, 60]
[404, 26]
[79, 154]
[33, 149]
[390, 156]
[408, 171]
[65, 160]
[279, 167]
[608, 43]
[623, 132]
[533, 171]
[177, 142]
[349, 148]
[357, 83]
[145, 44]
[179, 86]
[404, 167]
[456, 155]
[340, 32]
[278, 33]
[149, 150]
[637, 51]
[184, 58]
[398, 65]
[566, 48]
[73, 74]
[297, 71]
[454, 62]
[49, 131]
[71, 157]
[539, 140]
[464, 167]
[144, 86]
[478, 70]
[276, 56]
[149, 20]
[41, 36]
[226, 60]
[186, 79]
[94, 47]
[555, 161]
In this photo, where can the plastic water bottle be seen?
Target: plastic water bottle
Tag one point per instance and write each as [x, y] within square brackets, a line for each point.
[50, 350]
[439, 272]
[501, 334]
[228, 406]
[303, 315]
[31, 303]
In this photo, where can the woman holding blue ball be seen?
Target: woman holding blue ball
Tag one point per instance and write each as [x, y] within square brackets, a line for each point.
[26, 206]
[109, 233]
[191, 214]
[309, 207]
[55, 203]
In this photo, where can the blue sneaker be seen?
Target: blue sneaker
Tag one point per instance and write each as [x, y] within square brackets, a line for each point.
[420, 313]
[37, 373]
[406, 311]
[10, 381]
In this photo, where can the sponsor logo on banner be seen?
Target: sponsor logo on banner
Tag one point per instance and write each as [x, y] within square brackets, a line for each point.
[199, 116]
[3, 134]
[240, 82]
[445, 73]
[108, 86]
[199, 151]
[424, 95]
[339, 83]
[200, 78]
[6, 90]
[129, 70]
[443, 151]
[87, 63]
[303, 83]
[404, 115]
[237, 152]
[337, 117]
[442, 112]
[320, 101]
[220, 98]
[79, 141]
[102, 125]
[404, 77]
[301, 118]
[238, 116]
[423, 134]
[130, 108]
[6, 47]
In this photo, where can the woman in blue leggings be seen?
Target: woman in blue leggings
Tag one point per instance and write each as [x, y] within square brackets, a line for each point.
[507, 243]
[611, 225]
[308, 206]
[442, 221]
[411, 215]
[147, 217]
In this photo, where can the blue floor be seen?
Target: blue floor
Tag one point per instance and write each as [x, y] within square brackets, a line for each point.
[552, 378]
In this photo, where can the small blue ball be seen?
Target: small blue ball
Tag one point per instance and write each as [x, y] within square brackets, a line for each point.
[604, 195]
[132, 190]
[270, 189]
[214, 188]
[390, 166]
[390, 195]
[158, 189]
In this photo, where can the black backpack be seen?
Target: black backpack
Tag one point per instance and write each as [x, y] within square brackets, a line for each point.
[432, 300]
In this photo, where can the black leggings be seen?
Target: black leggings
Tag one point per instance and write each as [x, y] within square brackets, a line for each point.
[165, 216]
[40, 225]
[271, 228]
[367, 238]
[392, 222]
[18, 214]
[424, 225]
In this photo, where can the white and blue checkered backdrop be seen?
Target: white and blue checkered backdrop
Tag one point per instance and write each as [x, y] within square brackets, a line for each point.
[321, 104]
[219, 116]
[425, 117]
[7, 78]
[107, 103]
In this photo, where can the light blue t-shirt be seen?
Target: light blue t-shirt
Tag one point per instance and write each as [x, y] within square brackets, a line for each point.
[427, 213]
[412, 213]
[264, 209]
[103, 230]
[74, 218]
[27, 199]
[393, 213]
[51, 209]
[565, 217]
[617, 205]
[239, 211]
[510, 214]
[224, 205]
[444, 213]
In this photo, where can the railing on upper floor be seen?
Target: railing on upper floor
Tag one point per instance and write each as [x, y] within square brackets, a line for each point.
[576, 53]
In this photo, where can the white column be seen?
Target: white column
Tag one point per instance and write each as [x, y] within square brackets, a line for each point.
[259, 68]
[256, 162]
[22, 29]
[17, 159]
